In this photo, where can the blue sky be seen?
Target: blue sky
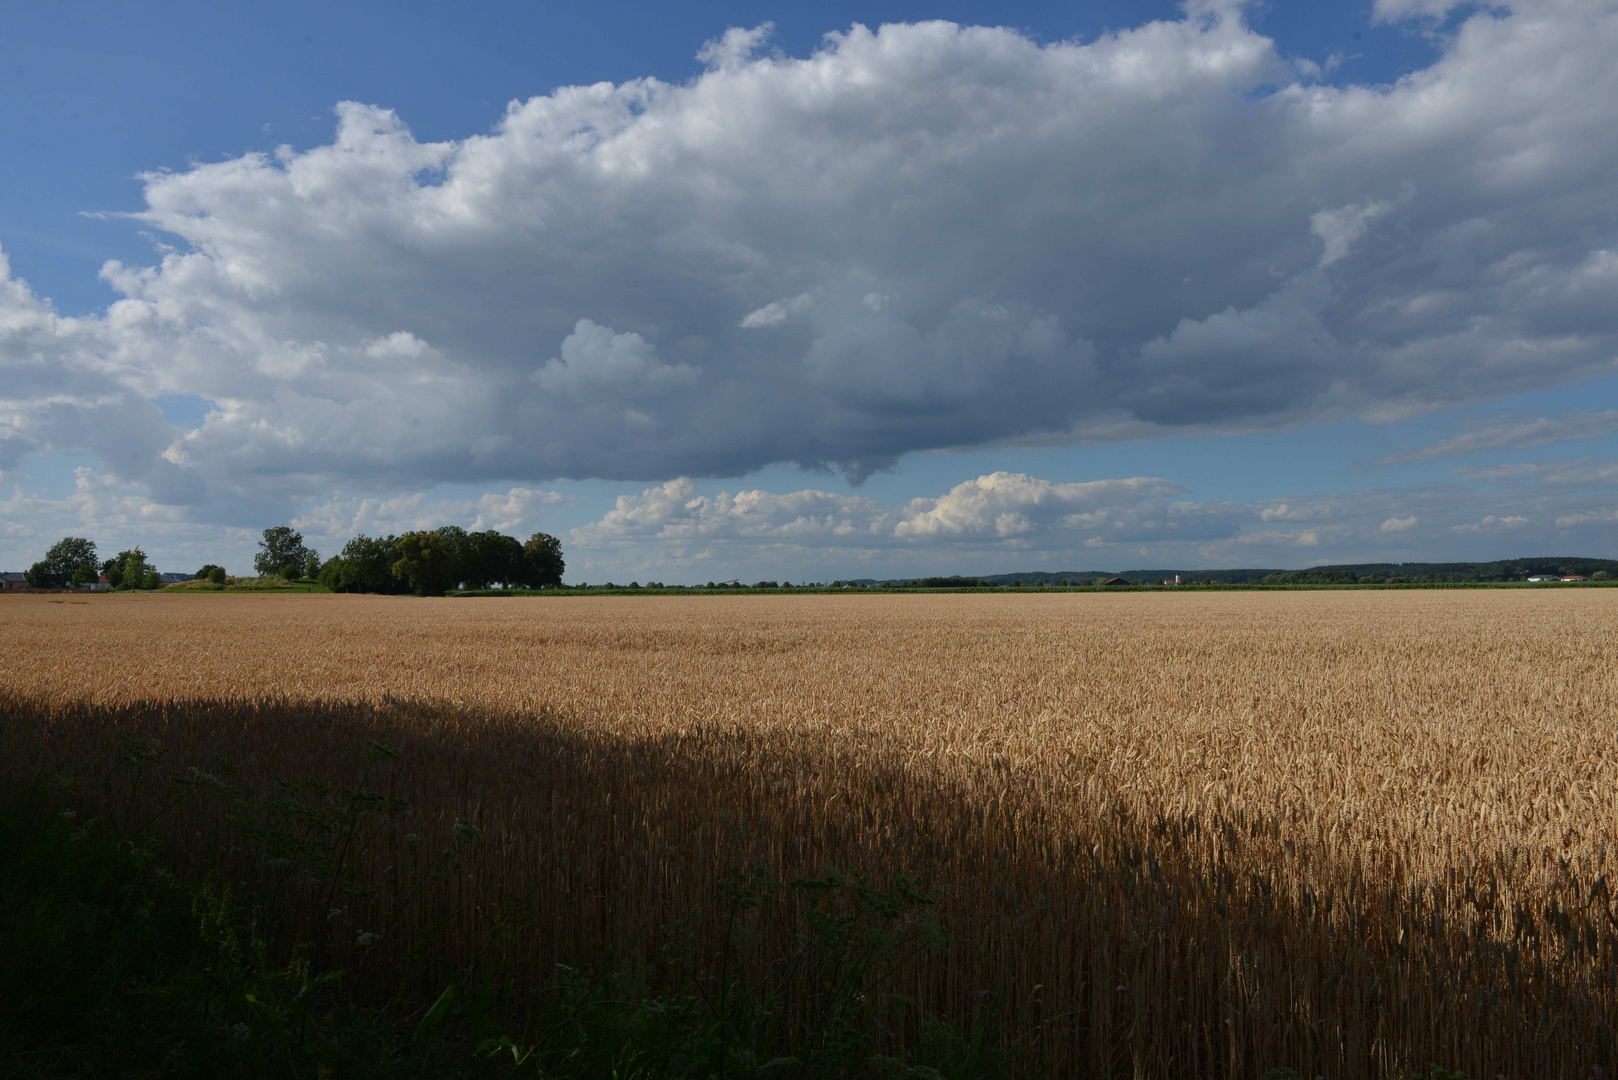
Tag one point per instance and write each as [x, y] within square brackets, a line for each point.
[1059, 285]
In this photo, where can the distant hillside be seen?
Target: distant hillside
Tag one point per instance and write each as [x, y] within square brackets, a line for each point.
[1502, 570]
[1341, 574]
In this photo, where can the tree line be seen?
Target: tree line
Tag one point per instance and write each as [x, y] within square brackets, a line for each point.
[430, 563]
[426, 563]
[72, 561]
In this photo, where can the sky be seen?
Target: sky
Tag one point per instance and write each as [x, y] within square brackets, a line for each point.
[724, 291]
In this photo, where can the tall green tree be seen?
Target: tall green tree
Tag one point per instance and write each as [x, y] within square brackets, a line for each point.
[131, 570]
[495, 557]
[281, 552]
[70, 561]
[364, 565]
[542, 561]
[459, 550]
[424, 563]
[113, 568]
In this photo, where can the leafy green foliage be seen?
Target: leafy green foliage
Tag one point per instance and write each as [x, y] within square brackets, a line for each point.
[494, 558]
[282, 552]
[70, 561]
[129, 570]
[364, 565]
[543, 564]
[425, 563]
[430, 563]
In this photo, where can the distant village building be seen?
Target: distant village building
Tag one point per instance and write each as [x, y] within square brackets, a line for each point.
[1575, 577]
[13, 581]
[1116, 581]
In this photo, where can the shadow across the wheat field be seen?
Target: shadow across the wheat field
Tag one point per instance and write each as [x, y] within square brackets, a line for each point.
[1108, 938]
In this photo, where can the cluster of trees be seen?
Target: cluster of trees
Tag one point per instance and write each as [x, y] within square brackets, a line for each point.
[72, 561]
[1317, 577]
[432, 563]
[1454, 573]
[427, 563]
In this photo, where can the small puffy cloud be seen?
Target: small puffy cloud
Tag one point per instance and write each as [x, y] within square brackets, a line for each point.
[598, 363]
[675, 511]
[774, 313]
[1287, 512]
[1490, 523]
[735, 47]
[1009, 504]
[1398, 524]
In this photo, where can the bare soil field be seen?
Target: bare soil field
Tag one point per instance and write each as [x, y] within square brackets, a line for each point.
[1349, 833]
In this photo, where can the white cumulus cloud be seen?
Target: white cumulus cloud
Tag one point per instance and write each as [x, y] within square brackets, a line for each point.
[1163, 229]
[597, 363]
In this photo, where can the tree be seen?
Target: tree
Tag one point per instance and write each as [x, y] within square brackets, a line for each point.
[364, 565]
[113, 568]
[70, 561]
[458, 550]
[542, 561]
[74, 559]
[424, 563]
[217, 575]
[130, 570]
[311, 563]
[493, 556]
[281, 552]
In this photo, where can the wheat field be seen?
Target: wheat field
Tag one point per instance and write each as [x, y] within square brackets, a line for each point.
[1211, 834]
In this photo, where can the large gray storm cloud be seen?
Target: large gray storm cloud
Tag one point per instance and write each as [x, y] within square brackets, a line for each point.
[923, 236]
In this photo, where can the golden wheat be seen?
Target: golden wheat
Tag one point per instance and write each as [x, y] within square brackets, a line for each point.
[1180, 834]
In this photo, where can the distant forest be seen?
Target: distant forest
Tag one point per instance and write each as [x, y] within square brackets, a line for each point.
[1345, 574]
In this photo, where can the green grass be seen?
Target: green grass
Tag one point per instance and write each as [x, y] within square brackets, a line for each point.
[249, 584]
